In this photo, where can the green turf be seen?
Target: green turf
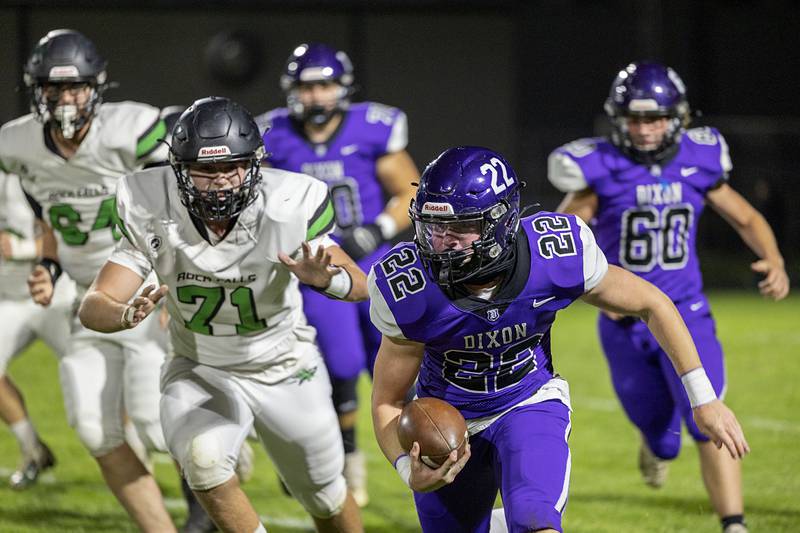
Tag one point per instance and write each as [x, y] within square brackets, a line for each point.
[762, 343]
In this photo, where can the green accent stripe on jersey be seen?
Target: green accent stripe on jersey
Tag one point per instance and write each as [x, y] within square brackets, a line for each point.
[149, 140]
[3, 167]
[120, 223]
[322, 220]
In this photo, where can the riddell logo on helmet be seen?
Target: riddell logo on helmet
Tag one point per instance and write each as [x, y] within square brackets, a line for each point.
[213, 151]
[437, 208]
[66, 71]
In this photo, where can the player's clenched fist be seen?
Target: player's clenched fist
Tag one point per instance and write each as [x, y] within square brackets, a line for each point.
[142, 306]
[40, 285]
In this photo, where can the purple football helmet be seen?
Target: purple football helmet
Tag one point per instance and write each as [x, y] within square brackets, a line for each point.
[471, 193]
[647, 89]
[317, 62]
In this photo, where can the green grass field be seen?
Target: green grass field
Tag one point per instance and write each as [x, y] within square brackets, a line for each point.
[762, 343]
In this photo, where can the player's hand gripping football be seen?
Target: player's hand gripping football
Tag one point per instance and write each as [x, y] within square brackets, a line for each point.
[775, 284]
[426, 479]
[312, 269]
[40, 285]
[719, 423]
[142, 305]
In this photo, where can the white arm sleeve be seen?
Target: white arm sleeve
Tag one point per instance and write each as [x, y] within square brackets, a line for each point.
[379, 311]
[125, 254]
[564, 173]
[595, 264]
[398, 138]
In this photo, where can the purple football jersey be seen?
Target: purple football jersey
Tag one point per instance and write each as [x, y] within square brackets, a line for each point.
[346, 162]
[485, 356]
[646, 221]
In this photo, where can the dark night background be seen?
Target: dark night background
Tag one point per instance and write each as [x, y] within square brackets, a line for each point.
[519, 77]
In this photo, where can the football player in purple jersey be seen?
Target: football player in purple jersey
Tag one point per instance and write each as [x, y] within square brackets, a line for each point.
[469, 306]
[359, 150]
[644, 190]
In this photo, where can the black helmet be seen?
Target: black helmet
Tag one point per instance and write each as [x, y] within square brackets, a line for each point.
[65, 56]
[216, 130]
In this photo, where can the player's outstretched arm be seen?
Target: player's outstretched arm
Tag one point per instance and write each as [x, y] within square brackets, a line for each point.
[396, 368]
[329, 270]
[756, 232]
[625, 293]
[105, 306]
[580, 203]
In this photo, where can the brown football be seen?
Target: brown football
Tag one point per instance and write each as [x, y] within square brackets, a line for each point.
[436, 425]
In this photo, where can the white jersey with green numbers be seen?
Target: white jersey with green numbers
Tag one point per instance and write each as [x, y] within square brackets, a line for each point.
[232, 304]
[75, 196]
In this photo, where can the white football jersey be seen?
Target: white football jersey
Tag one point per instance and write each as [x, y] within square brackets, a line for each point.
[234, 302]
[75, 196]
[16, 218]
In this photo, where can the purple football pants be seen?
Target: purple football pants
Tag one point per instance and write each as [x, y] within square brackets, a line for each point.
[646, 383]
[525, 455]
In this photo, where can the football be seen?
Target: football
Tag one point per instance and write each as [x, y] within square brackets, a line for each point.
[436, 425]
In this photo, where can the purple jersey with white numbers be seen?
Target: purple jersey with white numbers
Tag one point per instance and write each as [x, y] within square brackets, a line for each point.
[483, 356]
[646, 220]
[346, 162]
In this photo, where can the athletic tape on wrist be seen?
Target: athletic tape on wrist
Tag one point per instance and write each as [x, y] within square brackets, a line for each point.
[340, 285]
[698, 387]
[387, 225]
[403, 466]
[22, 249]
[126, 321]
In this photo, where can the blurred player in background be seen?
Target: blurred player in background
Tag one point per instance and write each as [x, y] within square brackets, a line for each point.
[644, 190]
[359, 150]
[470, 305]
[216, 229]
[23, 322]
[69, 154]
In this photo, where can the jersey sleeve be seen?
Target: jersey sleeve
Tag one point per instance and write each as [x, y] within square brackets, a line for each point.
[127, 252]
[319, 211]
[398, 136]
[724, 156]
[595, 264]
[127, 255]
[136, 131]
[564, 173]
[379, 312]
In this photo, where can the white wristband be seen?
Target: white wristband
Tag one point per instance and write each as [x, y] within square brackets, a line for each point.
[22, 249]
[698, 387]
[340, 285]
[387, 225]
[403, 466]
[126, 321]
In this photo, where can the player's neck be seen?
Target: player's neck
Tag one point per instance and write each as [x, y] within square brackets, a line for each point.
[68, 147]
[320, 134]
[219, 228]
[487, 288]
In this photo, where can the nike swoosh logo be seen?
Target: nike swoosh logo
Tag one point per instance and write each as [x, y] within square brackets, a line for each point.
[539, 303]
[349, 149]
[695, 306]
[688, 171]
